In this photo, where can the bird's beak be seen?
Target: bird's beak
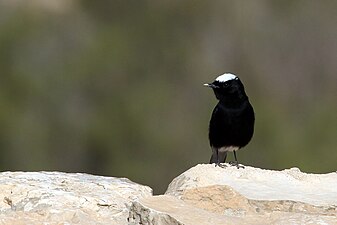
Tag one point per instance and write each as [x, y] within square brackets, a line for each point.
[211, 85]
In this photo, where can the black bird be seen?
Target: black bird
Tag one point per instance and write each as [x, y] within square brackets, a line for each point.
[232, 123]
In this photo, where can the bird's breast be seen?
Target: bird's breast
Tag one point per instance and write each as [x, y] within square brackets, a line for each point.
[231, 126]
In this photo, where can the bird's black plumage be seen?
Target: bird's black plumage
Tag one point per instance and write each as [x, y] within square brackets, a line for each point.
[232, 122]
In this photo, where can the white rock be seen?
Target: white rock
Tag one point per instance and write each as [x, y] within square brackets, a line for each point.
[262, 184]
[168, 210]
[54, 198]
[206, 194]
[203, 195]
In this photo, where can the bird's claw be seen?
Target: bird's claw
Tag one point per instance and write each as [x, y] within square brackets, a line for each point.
[222, 165]
[235, 163]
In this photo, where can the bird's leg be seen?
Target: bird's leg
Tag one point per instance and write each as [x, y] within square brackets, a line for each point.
[214, 157]
[221, 158]
[218, 157]
[236, 163]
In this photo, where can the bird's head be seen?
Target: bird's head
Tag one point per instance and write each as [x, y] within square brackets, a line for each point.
[227, 86]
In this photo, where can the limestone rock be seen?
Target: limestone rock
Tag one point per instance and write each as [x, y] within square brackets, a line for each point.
[202, 195]
[262, 184]
[213, 195]
[169, 210]
[64, 198]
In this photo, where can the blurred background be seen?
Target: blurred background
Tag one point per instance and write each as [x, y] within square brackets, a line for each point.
[115, 87]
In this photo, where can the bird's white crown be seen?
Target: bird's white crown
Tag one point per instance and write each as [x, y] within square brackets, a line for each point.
[225, 77]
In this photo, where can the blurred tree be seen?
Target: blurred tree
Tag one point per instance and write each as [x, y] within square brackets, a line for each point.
[115, 88]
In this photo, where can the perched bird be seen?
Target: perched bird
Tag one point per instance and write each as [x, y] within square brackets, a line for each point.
[232, 122]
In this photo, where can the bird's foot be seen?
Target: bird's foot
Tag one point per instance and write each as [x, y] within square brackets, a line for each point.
[236, 163]
[222, 165]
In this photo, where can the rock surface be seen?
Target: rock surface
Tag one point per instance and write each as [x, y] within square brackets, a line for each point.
[203, 195]
[213, 195]
[64, 198]
[262, 184]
